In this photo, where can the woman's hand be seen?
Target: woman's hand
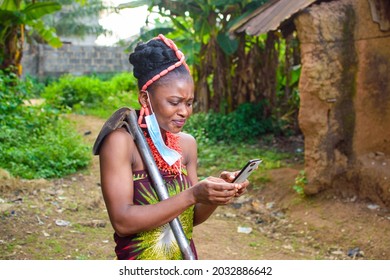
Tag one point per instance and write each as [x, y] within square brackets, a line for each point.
[229, 177]
[215, 191]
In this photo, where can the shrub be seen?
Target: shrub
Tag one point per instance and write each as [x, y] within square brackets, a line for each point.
[123, 93]
[246, 124]
[35, 142]
[91, 95]
[12, 93]
[36, 86]
[72, 91]
[53, 151]
[123, 82]
[300, 183]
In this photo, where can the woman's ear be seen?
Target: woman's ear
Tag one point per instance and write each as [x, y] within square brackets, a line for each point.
[143, 98]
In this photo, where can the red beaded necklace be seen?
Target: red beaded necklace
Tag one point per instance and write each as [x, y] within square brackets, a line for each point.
[172, 141]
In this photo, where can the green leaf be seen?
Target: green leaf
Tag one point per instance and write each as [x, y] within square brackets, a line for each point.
[229, 46]
[203, 30]
[179, 25]
[10, 5]
[9, 17]
[295, 74]
[38, 10]
[47, 33]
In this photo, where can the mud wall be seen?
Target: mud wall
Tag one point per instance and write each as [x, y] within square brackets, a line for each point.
[345, 100]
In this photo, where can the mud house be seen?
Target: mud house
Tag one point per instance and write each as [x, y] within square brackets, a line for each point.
[344, 90]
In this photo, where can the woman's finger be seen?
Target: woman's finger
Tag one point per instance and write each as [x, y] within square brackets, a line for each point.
[228, 176]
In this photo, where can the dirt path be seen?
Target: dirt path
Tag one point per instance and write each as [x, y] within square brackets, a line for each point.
[66, 219]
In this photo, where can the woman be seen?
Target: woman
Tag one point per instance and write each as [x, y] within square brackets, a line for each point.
[140, 221]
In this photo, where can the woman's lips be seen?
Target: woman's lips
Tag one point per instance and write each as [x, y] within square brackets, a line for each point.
[179, 123]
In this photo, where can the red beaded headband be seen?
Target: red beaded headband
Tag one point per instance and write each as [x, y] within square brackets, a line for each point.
[179, 55]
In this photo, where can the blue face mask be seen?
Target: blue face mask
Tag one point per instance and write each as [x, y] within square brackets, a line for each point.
[169, 155]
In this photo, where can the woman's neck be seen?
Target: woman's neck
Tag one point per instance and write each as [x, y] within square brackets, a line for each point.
[164, 135]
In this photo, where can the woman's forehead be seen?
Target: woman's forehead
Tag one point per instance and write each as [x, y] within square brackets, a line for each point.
[175, 86]
[179, 91]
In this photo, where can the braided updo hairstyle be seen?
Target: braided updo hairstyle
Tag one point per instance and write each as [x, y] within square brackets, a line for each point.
[151, 58]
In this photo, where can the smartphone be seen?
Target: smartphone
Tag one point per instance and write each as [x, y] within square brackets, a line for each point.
[249, 167]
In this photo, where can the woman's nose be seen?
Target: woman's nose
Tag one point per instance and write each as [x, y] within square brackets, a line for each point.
[184, 110]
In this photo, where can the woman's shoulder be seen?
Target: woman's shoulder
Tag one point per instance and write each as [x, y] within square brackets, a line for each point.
[189, 147]
[119, 133]
[118, 139]
[186, 138]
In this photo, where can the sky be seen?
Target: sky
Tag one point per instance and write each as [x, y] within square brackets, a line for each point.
[123, 25]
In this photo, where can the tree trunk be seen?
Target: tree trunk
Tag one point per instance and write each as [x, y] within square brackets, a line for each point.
[13, 50]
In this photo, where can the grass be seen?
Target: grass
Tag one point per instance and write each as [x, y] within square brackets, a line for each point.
[217, 158]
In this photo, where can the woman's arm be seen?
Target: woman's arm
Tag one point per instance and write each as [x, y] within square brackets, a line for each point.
[202, 211]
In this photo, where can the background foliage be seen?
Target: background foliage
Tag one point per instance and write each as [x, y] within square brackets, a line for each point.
[242, 125]
[93, 95]
[36, 141]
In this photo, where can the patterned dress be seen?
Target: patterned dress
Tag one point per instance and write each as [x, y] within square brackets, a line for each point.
[159, 243]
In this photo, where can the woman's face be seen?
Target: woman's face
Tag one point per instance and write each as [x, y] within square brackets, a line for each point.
[172, 104]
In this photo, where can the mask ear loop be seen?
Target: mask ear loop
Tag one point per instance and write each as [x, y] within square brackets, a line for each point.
[144, 112]
[150, 103]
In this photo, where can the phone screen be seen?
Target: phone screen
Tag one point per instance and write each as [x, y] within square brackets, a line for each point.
[247, 170]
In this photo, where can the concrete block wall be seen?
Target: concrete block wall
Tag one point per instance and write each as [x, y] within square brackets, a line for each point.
[43, 60]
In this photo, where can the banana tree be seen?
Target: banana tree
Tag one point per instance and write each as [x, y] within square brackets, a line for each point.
[15, 16]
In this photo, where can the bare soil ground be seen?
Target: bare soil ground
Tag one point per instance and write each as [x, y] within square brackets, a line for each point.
[66, 219]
